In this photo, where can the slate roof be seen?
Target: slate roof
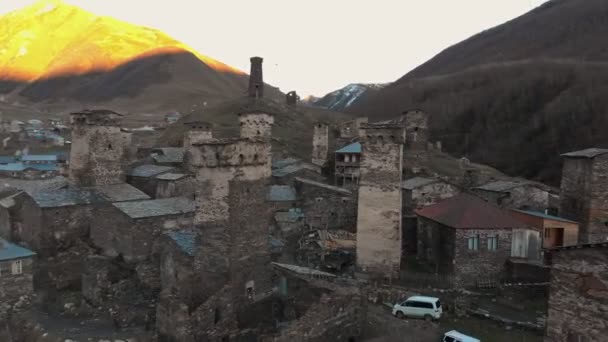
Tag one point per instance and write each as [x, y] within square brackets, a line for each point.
[281, 193]
[156, 207]
[352, 148]
[587, 153]
[36, 185]
[502, 186]
[293, 168]
[417, 182]
[67, 197]
[150, 170]
[168, 155]
[544, 216]
[281, 163]
[10, 251]
[121, 192]
[468, 211]
[324, 186]
[186, 240]
[171, 176]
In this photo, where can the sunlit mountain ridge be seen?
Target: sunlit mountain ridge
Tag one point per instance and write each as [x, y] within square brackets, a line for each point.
[52, 38]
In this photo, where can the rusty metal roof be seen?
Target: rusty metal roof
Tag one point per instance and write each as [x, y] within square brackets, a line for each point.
[469, 212]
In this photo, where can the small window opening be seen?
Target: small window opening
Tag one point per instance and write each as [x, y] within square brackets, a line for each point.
[415, 129]
[255, 157]
[217, 316]
[259, 133]
[241, 159]
[109, 146]
[250, 289]
[380, 139]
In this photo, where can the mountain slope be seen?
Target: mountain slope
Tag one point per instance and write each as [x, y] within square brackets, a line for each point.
[517, 95]
[348, 96]
[55, 55]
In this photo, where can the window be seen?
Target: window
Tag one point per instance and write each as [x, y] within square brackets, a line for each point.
[492, 243]
[415, 304]
[250, 289]
[17, 267]
[473, 243]
[217, 316]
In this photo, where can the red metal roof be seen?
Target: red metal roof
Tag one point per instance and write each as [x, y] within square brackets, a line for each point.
[467, 211]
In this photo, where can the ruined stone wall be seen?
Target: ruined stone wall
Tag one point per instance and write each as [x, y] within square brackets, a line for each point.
[529, 198]
[584, 196]
[327, 209]
[482, 264]
[183, 187]
[320, 144]
[13, 286]
[99, 155]
[379, 204]
[578, 301]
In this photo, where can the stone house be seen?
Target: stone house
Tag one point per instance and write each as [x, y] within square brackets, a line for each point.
[516, 194]
[130, 229]
[584, 193]
[174, 185]
[555, 231]
[325, 206]
[419, 192]
[16, 272]
[281, 197]
[348, 165]
[578, 296]
[144, 176]
[466, 237]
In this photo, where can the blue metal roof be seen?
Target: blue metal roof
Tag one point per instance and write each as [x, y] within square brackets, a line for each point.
[39, 157]
[7, 159]
[281, 193]
[16, 167]
[186, 240]
[545, 216]
[10, 251]
[352, 148]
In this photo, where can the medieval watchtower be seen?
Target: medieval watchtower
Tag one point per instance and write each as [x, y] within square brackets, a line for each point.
[197, 131]
[415, 154]
[100, 148]
[320, 144]
[291, 98]
[255, 124]
[379, 213]
[256, 78]
[584, 193]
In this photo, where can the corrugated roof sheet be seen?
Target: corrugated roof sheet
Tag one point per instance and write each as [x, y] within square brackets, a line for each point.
[293, 168]
[186, 240]
[39, 157]
[7, 159]
[467, 211]
[150, 170]
[545, 216]
[10, 251]
[587, 153]
[352, 148]
[171, 176]
[416, 182]
[67, 197]
[157, 207]
[281, 193]
[121, 192]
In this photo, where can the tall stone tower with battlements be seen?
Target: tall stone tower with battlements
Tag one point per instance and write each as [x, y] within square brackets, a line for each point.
[100, 148]
[256, 78]
[379, 212]
[415, 154]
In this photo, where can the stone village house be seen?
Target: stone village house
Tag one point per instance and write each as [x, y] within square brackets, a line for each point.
[16, 272]
[525, 195]
[466, 237]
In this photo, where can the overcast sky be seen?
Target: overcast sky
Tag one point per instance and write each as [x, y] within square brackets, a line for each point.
[314, 46]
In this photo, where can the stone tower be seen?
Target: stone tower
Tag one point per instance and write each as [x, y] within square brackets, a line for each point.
[584, 193]
[291, 98]
[196, 132]
[100, 148]
[256, 125]
[415, 154]
[320, 144]
[256, 78]
[233, 261]
[379, 212]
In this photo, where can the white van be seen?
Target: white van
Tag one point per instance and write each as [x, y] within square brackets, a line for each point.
[455, 336]
[419, 306]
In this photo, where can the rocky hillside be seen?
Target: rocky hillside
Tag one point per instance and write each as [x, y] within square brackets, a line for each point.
[54, 53]
[517, 95]
[348, 96]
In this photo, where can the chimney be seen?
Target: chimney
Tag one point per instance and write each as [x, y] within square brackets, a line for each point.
[256, 78]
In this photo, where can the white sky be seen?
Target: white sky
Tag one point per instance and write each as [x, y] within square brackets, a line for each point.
[314, 46]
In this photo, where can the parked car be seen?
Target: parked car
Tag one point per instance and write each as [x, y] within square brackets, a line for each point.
[419, 306]
[455, 336]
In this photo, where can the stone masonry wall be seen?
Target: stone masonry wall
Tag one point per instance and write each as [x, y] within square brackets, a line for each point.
[483, 264]
[320, 144]
[414, 153]
[379, 204]
[327, 209]
[578, 301]
[598, 203]
[13, 286]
